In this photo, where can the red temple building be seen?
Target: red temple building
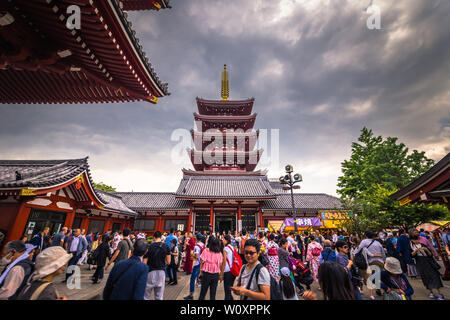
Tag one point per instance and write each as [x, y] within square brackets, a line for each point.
[56, 193]
[45, 58]
[224, 192]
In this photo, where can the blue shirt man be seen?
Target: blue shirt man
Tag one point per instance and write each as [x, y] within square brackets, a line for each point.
[128, 278]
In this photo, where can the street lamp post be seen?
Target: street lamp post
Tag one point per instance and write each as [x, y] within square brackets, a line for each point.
[290, 182]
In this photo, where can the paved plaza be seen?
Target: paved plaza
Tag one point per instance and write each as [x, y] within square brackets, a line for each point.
[89, 291]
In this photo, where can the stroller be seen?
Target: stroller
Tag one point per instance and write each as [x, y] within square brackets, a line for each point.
[302, 274]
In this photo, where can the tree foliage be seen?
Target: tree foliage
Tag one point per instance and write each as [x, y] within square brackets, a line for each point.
[375, 161]
[377, 168]
[104, 187]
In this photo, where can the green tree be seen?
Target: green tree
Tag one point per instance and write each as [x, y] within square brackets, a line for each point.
[104, 187]
[376, 162]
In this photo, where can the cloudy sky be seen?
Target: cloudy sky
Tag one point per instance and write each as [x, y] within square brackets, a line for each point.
[317, 72]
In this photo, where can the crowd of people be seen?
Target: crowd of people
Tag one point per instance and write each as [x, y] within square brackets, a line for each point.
[251, 265]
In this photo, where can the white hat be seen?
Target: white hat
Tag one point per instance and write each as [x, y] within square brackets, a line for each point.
[50, 260]
[393, 266]
[285, 271]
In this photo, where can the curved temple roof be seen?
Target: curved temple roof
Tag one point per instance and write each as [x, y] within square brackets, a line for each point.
[47, 62]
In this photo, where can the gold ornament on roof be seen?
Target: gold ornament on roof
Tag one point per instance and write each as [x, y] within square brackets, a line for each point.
[225, 90]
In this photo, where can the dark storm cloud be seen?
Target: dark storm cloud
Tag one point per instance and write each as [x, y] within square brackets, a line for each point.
[317, 73]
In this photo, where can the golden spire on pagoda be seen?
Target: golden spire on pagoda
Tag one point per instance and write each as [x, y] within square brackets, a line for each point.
[225, 91]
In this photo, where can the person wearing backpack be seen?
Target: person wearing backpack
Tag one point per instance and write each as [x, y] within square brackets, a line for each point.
[254, 281]
[199, 247]
[313, 256]
[370, 252]
[123, 250]
[100, 255]
[128, 278]
[231, 266]
[157, 257]
[328, 254]
[241, 243]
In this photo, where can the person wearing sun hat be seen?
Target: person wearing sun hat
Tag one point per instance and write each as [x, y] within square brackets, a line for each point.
[393, 279]
[49, 263]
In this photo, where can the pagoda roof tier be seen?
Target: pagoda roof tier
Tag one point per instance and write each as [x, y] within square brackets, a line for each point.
[43, 61]
[203, 139]
[226, 122]
[241, 159]
[145, 4]
[225, 107]
[218, 186]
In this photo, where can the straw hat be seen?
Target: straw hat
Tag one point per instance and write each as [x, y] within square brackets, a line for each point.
[50, 260]
[393, 266]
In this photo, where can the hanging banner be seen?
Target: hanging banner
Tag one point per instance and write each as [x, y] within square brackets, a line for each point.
[302, 222]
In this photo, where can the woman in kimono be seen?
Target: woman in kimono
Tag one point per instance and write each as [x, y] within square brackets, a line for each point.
[189, 247]
[272, 255]
[313, 256]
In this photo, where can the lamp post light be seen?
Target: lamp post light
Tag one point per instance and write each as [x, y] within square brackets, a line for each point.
[290, 182]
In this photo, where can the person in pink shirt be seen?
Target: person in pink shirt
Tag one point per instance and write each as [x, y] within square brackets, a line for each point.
[210, 262]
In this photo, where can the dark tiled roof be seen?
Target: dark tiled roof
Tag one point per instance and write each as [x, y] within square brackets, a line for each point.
[277, 186]
[220, 186]
[152, 200]
[437, 169]
[312, 201]
[42, 173]
[115, 202]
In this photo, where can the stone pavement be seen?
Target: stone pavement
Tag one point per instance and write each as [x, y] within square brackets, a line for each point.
[90, 291]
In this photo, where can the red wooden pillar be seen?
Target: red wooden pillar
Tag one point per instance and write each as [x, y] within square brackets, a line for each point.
[239, 226]
[69, 219]
[85, 224]
[189, 221]
[160, 223]
[211, 218]
[19, 223]
[261, 220]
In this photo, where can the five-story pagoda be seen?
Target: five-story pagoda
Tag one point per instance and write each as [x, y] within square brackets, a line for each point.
[225, 192]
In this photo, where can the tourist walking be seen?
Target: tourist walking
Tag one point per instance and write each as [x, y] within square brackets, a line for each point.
[189, 247]
[327, 254]
[253, 282]
[76, 246]
[287, 285]
[403, 249]
[102, 253]
[334, 281]
[123, 250]
[199, 247]
[39, 241]
[173, 266]
[427, 267]
[18, 269]
[241, 243]
[393, 279]
[343, 259]
[58, 239]
[313, 256]
[210, 262]
[128, 278]
[272, 255]
[50, 263]
[157, 257]
[229, 256]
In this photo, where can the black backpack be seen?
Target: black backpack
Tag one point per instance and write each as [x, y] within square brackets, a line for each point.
[360, 260]
[275, 290]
